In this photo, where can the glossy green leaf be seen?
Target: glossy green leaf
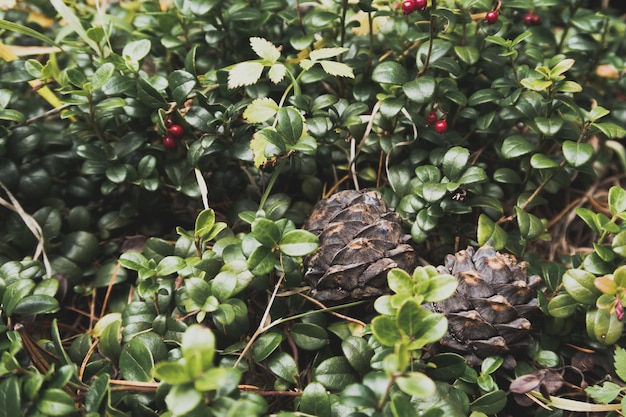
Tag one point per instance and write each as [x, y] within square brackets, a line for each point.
[603, 327]
[489, 233]
[283, 366]
[358, 353]
[315, 400]
[516, 146]
[467, 54]
[577, 154]
[390, 72]
[490, 403]
[169, 265]
[261, 261]
[334, 373]
[98, 392]
[181, 84]
[562, 306]
[416, 384]
[198, 349]
[617, 200]
[298, 243]
[171, 372]
[530, 226]
[36, 304]
[266, 232]
[619, 244]
[549, 126]
[265, 345]
[10, 396]
[579, 284]
[224, 380]
[386, 330]
[55, 402]
[309, 336]
[454, 162]
[136, 361]
[182, 399]
[421, 89]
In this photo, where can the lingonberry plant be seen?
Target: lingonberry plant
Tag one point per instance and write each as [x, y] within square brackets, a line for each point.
[159, 162]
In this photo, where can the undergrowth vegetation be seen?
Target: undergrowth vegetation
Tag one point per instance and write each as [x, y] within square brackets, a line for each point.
[159, 158]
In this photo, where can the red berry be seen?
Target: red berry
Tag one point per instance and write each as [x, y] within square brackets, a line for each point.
[176, 131]
[420, 4]
[491, 17]
[441, 126]
[431, 117]
[407, 7]
[168, 123]
[169, 142]
[531, 18]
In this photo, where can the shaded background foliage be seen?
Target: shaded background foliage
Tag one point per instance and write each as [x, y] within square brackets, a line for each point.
[112, 250]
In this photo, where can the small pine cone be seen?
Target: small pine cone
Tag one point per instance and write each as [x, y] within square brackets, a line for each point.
[360, 241]
[490, 311]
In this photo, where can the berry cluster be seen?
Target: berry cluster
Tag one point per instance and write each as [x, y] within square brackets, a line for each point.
[172, 134]
[409, 6]
[440, 125]
[532, 19]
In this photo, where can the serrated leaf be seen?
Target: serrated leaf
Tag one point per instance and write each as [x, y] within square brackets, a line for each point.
[265, 49]
[325, 53]
[338, 69]
[244, 74]
[604, 393]
[277, 73]
[619, 358]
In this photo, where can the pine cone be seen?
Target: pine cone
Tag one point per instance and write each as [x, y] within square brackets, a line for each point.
[360, 241]
[489, 313]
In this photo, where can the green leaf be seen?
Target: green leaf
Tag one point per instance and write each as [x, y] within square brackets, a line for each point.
[411, 316]
[73, 22]
[490, 403]
[55, 402]
[420, 90]
[182, 399]
[309, 336]
[416, 384]
[134, 51]
[265, 345]
[579, 284]
[315, 401]
[488, 95]
[619, 244]
[337, 69]
[536, 84]
[386, 330]
[490, 233]
[284, 366]
[541, 161]
[261, 261]
[266, 232]
[25, 30]
[603, 327]
[102, 75]
[14, 293]
[325, 53]
[440, 288]
[169, 265]
[611, 130]
[98, 393]
[549, 126]
[290, 124]
[617, 200]
[619, 359]
[260, 110]
[454, 162]
[334, 373]
[198, 349]
[170, 372]
[562, 306]
[597, 112]
[390, 72]
[605, 393]
[577, 154]
[516, 146]
[10, 396]
[244, 74]
[36, 304]
[276, 73]
[110, 336]
[136, 361]
[298, 243]
[224, 380]
[181, 84]
[562, 67]
[530, 226]
[265, 49]
[358, 353]
[468, 54]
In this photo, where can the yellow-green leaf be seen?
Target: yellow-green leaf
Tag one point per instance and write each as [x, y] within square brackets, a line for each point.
[338, 69]
[260, 110]
[244, 73]
[265, 49]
